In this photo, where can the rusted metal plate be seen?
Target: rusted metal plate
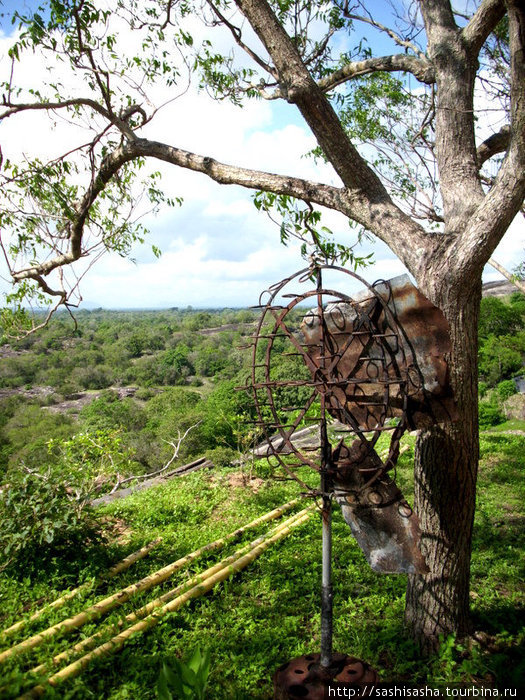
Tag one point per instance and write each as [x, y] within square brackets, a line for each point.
[304, 677]
[384, 525]
[387, 357]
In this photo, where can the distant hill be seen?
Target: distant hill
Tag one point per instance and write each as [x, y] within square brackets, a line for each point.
[498, 289]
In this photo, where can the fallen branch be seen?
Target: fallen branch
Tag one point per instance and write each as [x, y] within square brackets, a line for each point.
[176, 449]
[201, 463]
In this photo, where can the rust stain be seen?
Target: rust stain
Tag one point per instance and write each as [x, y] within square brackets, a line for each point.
[388, 357]
[304, 677]
[377, 359]
[383, 523]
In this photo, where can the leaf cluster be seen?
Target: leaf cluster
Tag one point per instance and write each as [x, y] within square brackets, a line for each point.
[42, 519]
[303, 222]
[185, 681]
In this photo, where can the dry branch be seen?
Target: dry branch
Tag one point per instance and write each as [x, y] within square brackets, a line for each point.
[176, 445]
[519, 284]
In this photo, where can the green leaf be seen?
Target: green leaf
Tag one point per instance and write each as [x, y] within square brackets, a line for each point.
[162, 688]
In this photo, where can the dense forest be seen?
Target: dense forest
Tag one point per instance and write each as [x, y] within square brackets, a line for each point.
[135, 377]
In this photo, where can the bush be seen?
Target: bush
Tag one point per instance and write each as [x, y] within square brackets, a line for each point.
[41, 519]
[489, 414]
[505, 389]
[482, 389]
[222, 456]
[93, 377]
[145, 394]
[109, 412]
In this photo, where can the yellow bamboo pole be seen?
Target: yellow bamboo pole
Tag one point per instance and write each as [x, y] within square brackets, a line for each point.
[117, 642]
[89, 642]
[144, 584]
[402, 451]
[110, 573]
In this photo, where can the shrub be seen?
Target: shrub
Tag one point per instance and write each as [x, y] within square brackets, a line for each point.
[489, 414]
[41, 519]
[145, 394]
[505, 389]
[222, 456]
[93, 377]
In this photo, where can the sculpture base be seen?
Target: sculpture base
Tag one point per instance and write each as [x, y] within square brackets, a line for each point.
[304, 677]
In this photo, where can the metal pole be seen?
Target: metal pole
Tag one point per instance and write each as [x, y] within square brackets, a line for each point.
[326, 589]
[326, 488]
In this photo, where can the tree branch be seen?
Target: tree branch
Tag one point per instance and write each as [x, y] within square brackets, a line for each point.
[237, 35]
[225, 174]
[421, 69]
[387, 30]
[455, 145]
[366, 198]
[110, 166]
[486, 17]
[496, 143]
[13, 108]
[176, 449]
[519, 284]
[506, 197]
[318, 193]
[121, 121]
[379, 215]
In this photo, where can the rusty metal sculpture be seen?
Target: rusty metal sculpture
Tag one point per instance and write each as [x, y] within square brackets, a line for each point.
[369, 364]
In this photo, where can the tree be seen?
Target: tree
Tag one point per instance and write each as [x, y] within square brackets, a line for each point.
[429, 186]
[498, 318]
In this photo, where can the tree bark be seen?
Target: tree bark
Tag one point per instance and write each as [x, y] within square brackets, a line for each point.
[445, 467]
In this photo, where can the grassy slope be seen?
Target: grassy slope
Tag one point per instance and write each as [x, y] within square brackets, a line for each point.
[270, 612]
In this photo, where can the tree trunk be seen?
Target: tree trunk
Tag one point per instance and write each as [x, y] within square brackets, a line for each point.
[446, 465]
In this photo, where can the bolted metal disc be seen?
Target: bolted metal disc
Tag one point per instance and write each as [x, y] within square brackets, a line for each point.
[304, 677]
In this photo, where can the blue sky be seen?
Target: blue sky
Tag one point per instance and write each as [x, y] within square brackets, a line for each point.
[217, 249]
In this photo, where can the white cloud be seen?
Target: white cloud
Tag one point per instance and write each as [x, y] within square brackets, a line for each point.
[185, 276]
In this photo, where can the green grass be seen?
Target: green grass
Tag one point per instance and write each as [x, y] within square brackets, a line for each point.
[512, 424]
[270, 612]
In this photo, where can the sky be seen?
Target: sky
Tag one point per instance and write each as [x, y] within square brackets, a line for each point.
[217, 249]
